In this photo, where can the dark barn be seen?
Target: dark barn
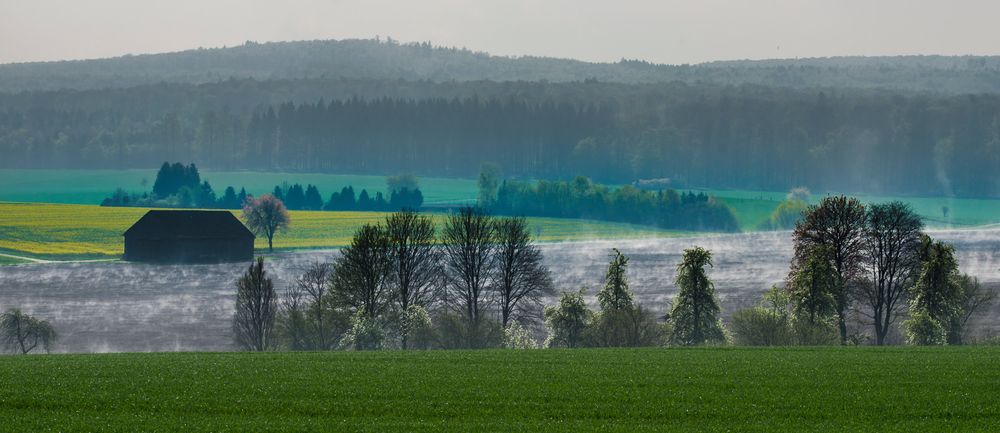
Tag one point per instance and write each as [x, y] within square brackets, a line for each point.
[188, 236]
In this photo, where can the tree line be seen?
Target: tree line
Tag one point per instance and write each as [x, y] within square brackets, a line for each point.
[390, 60]
[702, 135]
[581, 198]
[481, 283]
[180, 186]
[873, 261]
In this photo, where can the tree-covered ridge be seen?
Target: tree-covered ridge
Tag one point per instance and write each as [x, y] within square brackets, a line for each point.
[390, 60]
[694, 135]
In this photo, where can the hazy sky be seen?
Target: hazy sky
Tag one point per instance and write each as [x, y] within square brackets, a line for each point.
[664, 31]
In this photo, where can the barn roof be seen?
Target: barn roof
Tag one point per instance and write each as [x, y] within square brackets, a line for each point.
[188, 224]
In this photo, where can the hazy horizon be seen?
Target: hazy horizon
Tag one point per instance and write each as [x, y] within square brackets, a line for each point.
[669, 32]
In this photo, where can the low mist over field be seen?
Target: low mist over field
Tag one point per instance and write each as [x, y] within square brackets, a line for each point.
[122, 307]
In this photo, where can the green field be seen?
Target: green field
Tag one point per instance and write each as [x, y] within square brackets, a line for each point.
[750, 207]
[92, 186]
[64, 231]
[900, 389]
[753, 207]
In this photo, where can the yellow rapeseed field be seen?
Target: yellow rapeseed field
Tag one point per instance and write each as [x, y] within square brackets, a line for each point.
[66, 231]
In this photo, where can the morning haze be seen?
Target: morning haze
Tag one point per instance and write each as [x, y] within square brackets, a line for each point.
[658, 31]
[515, 215]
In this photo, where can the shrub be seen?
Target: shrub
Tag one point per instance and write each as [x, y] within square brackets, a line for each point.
[923, 330]
[516, 336]
[364, 334]
[758, 326]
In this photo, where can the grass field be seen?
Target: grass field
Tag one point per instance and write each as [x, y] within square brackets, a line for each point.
[900, 389]
[753, 207]
[61, 231]
[92, 186]
[750, 207]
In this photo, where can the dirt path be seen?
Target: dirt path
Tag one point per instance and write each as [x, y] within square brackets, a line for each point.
[34, 260]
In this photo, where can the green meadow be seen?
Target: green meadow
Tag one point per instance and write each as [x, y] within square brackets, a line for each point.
[828, 389]
[92, 186]
[750, 207]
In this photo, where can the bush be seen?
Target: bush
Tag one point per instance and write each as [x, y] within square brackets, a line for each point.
[418, 326]
[364, 334]
[567, 322]
[923, 330]
[819, 333]
[624, 327]
[453, 332]
[518, 337]
[758, 326]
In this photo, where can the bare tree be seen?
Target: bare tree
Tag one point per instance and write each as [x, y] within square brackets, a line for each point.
[892, 254]
[974, 298]
[23, 332]
[292, 318]
[266, 216]
[256, 308]
[837, 225]
[521, 278]
[313, 284]
[469, 256]
[361, 275]
[415, 261]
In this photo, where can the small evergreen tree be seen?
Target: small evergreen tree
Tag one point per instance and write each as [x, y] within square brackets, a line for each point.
[695, 313]
[616, 293]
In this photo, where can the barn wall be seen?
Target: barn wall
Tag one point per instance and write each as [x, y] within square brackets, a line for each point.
[188, 250]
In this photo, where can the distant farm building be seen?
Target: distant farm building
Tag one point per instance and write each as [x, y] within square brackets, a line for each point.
[188, 236]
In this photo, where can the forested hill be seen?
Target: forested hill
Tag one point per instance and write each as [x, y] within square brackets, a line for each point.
[389, 60]
[697, 135]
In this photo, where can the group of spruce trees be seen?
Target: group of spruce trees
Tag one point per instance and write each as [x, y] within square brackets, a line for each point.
[180, 186]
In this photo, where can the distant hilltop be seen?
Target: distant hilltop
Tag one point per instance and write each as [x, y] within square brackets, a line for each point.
[373, 59]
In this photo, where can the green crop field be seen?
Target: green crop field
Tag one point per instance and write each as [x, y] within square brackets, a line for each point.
[754, 207]
[901, 389]
[92, 186]
[750, 207]
[62, 231]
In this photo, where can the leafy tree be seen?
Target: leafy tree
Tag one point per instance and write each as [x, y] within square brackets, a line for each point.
[402, 181]
[837, 225]
[786, 215]
[266, 216]
[936, 299]
[768, 324]
[256, 309]
[489, 181]
[695, 313]
[891, 258]
[567, 322]
[23, 332]
[616, 293]
[813, 288]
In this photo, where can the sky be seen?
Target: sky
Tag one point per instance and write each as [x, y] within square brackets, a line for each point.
[661, 31]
